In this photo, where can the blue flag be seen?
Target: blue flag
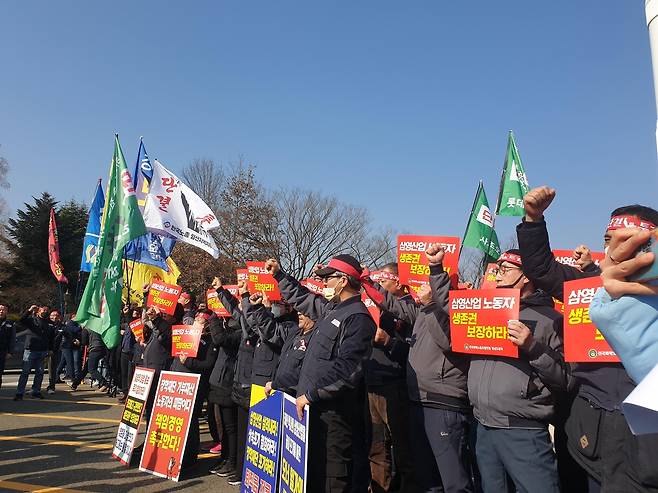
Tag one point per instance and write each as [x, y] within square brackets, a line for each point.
[151, 248]
[93, 230]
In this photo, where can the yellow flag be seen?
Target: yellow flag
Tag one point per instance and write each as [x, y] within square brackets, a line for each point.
[136, 274]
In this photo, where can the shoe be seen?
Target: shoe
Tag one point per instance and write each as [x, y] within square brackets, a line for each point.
[217, 449]
[50, 391]
[122, 399]
[227, 469]
[59, 380]
[18, 397]
[73, 387]
[234, 480]
[217, 466]
[38, 395]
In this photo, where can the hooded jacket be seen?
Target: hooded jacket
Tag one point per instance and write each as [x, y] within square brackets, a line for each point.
[604, 384]
[157, 352]
[518, 392]
[226, 336]
[435, 375]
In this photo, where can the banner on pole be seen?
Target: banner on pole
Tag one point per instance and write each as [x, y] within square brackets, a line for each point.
[132, 414]
[169, 425]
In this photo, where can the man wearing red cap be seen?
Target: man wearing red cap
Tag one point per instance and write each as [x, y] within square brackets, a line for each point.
[513, 398]
[332, 368]
[598, 437]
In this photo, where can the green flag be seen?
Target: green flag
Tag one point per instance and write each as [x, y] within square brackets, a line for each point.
[480, 231]
[513, 184]
[100, 307]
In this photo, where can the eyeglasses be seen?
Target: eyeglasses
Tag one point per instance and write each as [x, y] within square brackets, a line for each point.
[334, 276]
[504, 269]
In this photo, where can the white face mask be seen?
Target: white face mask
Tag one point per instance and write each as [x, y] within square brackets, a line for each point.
[329, 293]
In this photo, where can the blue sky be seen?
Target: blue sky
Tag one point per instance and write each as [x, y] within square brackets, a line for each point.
[397, 106]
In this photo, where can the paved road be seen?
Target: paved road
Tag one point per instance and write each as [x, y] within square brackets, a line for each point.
[63, 443]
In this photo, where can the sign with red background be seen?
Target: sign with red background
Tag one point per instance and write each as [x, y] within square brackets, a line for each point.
[169, 425]
[262, 281]
[164, 296]
[185, 340]
[582, 340]
[413, 268]
[478, 321]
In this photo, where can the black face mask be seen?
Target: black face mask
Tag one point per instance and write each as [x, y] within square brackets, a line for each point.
[510, 285]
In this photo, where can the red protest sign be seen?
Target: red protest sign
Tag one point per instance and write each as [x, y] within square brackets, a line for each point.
[132, 414]
[262, 281]
[164, 296]
[213, 303]
[582, 340]
[478, 321]
[185, 340]
[489, 278]
[313, 285]
[566, 257]
[413, 268]
[242, 275]
[137, 328]
[169, 425]
[373, 309]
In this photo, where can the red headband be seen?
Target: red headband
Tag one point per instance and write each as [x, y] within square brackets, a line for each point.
[512, 258]
[205, 316]
[618, 222]
[380, 275]
[363, 277]
[346, 268]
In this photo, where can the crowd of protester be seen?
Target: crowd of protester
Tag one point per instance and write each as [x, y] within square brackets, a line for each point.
[392, 407]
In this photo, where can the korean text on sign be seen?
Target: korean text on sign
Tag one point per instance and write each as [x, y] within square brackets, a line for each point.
[478, 321]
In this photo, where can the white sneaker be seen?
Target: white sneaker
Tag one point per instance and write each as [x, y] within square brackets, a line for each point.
[50, 391]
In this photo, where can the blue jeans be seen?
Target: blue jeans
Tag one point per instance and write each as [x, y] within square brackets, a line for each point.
[526, 455]
[31, 359]
[70, 358]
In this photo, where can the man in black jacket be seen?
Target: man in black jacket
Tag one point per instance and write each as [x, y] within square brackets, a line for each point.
[57, 333]
[333, 367]
[7, 338]
[38, 343]
[201, 364]
[598, 437]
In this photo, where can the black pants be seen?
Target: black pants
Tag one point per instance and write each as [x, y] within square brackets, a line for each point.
[126, 361]
[193, 437]
[229, 418]
[602, 443]
[93, 362]
[3, 357]
[214, 422]
[330, 452]
[439, 449]
[242, 422]
[53, 365]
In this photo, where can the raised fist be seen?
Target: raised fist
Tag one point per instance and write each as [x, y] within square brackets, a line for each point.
[256, 299]
[536, 201]
[583, 257]
[435, 253]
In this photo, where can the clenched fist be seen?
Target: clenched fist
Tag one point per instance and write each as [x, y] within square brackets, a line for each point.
[435, 253]
[536, 201]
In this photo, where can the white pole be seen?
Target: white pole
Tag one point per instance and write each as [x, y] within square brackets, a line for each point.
[651, 11]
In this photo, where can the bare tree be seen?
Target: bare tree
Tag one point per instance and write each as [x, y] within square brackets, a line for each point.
[207, 180]
[313, 227]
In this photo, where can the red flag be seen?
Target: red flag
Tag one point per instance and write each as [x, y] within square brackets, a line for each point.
[53, 250]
